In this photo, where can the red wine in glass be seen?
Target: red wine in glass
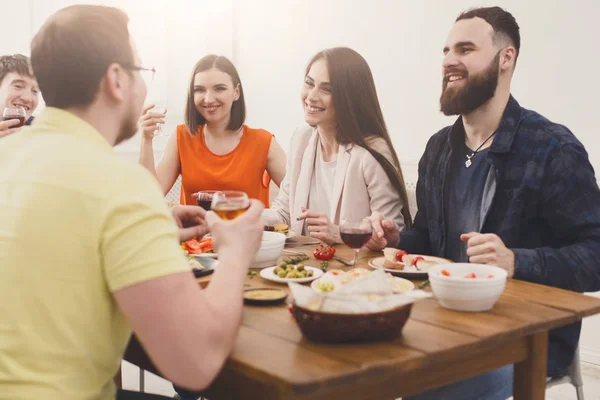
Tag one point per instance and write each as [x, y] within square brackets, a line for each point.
[205, 198]
[204, 203]
[355, 235]
[20, 118]
[15, 113]
[355, 239]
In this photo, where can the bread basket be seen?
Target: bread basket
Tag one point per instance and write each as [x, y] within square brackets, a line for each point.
[328, 327]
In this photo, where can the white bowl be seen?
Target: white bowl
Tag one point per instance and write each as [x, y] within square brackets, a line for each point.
[457, 292]
[270, 250]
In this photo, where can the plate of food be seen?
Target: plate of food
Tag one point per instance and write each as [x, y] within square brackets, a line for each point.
[334, 279]
[400, 263]
[199, 248]
[264, 296]
[281, 228]
[284, 273]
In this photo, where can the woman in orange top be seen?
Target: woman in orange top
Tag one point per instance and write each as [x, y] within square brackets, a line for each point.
[214, 150]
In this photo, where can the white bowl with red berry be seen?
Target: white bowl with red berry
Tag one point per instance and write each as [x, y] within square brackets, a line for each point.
[466, 286]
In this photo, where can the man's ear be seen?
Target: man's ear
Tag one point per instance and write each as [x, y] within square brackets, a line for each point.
[113, 82]
[508, 57]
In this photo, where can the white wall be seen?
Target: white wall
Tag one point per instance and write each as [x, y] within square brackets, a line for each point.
[402, 41]
[171, 35]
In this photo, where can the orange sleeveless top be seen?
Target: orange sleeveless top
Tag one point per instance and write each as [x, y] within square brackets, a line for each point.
[243, 169]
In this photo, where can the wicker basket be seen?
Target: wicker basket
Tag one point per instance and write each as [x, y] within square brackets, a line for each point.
[336, 328]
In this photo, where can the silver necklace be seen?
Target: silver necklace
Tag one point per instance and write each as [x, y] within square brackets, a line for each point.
[469, 156]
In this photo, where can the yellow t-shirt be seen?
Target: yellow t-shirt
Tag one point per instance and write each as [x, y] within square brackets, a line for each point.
[77, 223]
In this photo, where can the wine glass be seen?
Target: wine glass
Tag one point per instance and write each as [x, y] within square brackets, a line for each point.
[154, 96]
[205, 198]
[355, 234]
[230, 204]
[15, 113]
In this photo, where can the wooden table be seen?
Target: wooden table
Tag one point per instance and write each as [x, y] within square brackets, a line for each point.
[272, 360]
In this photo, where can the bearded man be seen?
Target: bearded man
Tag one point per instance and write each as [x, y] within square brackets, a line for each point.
[502, 186]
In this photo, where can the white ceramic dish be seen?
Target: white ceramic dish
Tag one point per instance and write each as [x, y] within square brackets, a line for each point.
[411, 272]
[205, 255]
[270, 250]
[457, 292]
[267, 273]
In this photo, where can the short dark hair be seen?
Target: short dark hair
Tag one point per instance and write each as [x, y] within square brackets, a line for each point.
[193, 118]
[16, 63]
[503, 23]
[73, 50]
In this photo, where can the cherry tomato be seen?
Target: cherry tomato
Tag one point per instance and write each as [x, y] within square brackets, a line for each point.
[400, 254]
[417, 258]
[324, 253]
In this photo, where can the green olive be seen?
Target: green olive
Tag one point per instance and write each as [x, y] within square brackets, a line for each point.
[302, 274]
[281, 274]
[310, 272]
[283, 265]
[300, 267]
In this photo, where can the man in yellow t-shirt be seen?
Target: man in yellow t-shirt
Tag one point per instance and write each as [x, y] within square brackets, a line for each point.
[88, 247]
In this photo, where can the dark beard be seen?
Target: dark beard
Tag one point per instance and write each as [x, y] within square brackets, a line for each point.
[478, 89]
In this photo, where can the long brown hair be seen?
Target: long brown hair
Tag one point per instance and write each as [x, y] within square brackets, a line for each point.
[358, 113]
[193, 118]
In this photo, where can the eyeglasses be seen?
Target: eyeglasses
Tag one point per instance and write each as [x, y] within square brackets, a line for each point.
[138, 68]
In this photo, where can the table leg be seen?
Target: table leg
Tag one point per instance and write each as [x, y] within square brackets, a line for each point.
[530, 374]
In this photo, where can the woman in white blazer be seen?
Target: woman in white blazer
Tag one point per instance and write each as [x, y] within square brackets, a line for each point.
[341, 165]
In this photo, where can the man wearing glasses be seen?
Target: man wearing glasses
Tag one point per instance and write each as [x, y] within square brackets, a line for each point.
[18, 89]
[88, 248]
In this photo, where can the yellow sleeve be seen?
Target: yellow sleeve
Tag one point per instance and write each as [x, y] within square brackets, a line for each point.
[140, 240]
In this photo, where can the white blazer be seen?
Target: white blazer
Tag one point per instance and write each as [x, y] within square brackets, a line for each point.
[361, 186]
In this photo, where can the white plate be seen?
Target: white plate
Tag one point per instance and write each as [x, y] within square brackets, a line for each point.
[401, 285]
[378, 263]
[268, 274]
[205, 255]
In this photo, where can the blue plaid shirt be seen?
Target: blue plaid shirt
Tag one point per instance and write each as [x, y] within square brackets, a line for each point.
[546, 208]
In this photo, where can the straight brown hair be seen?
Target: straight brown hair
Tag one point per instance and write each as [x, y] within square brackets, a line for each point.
[358, 113]
[73, 50]
[193, 118]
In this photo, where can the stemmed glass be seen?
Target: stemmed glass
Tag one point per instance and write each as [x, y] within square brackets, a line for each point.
[230, 204]
[355, 234]
[205, 199]
[15, 113]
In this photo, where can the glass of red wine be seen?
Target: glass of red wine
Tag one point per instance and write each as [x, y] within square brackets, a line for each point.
[205, 199]
[355, 234]
[15, 113]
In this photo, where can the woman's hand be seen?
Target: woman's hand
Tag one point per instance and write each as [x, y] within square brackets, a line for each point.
[320, 227]
[150, 121]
